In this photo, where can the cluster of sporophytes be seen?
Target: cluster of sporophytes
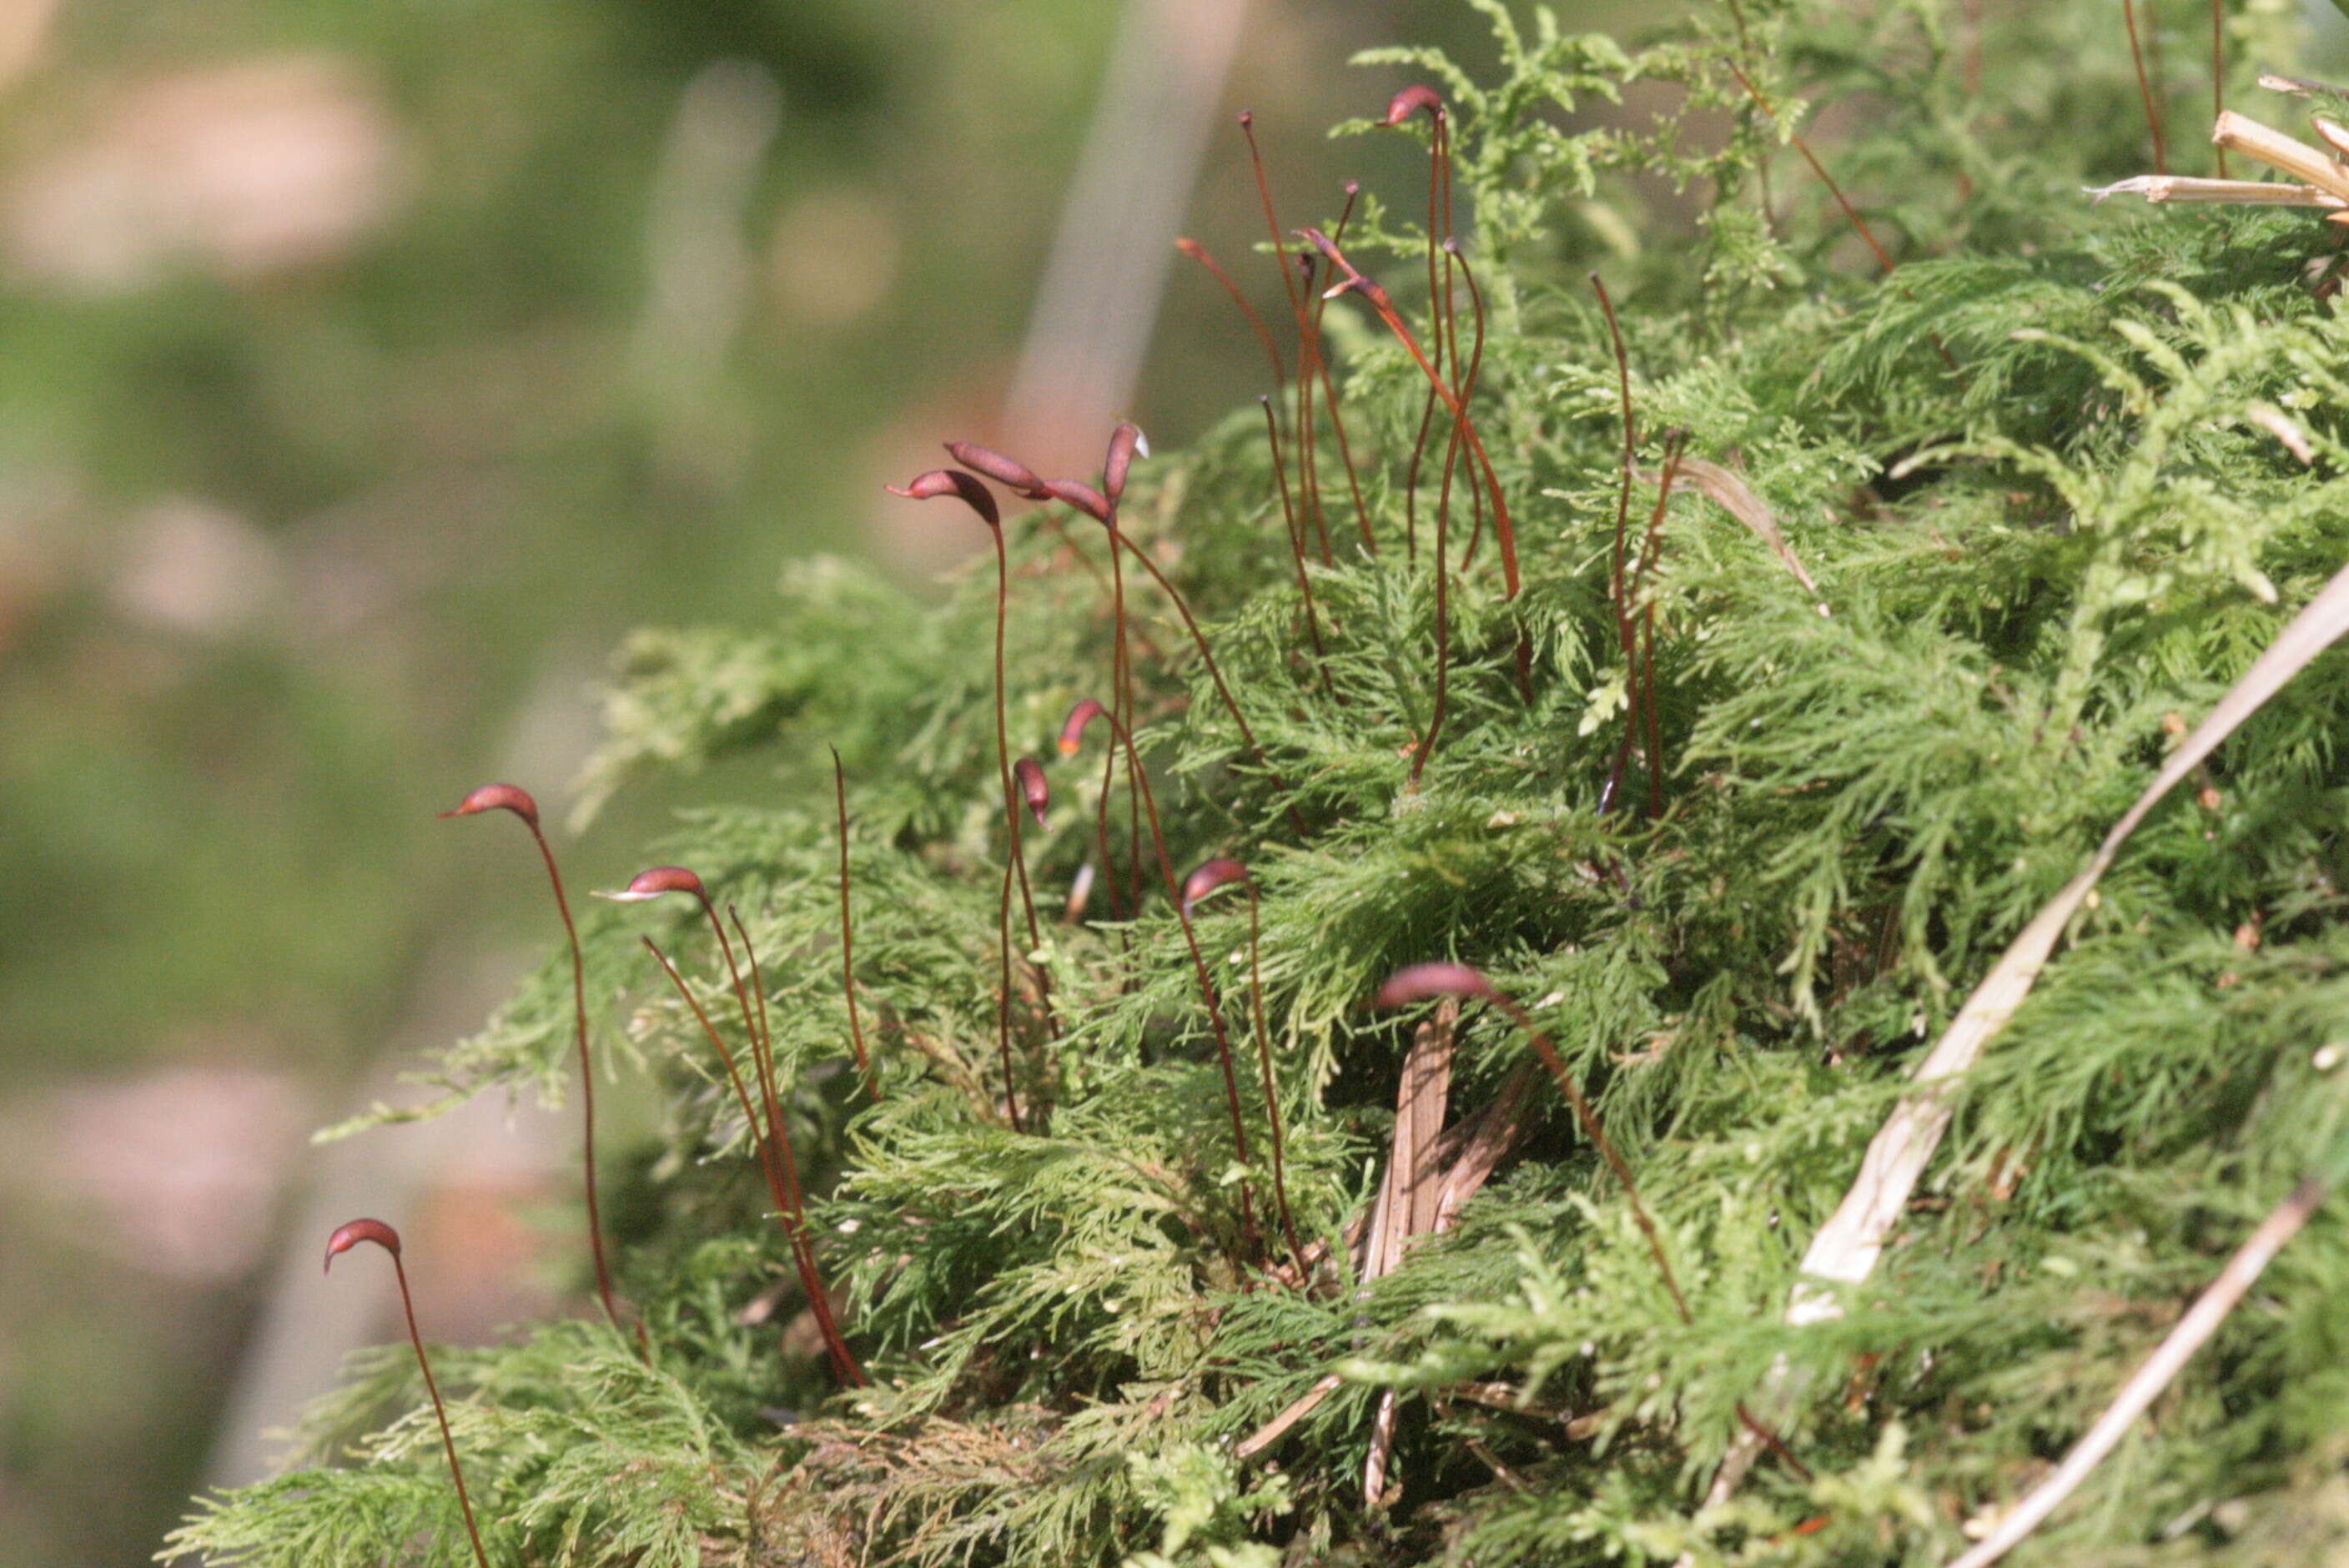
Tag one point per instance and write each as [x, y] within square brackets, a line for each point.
[1426, 1068]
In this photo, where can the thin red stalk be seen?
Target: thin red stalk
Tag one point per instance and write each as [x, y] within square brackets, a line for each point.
[1627, 628]
[386, 1238]
[1121, 698]
[758, 1059]
[762, 1115]
[1422, 981]
[1442, 558]
[1675, 444]
[2218, 70]
[778, 1165]
[1003, 1002]
[1052, 521]
[1306, 510]
[1264, 195]
[2144, 88]
[1017, 859]
[751, 1116]
[781, 1191]
[1504, 533]
[1849, 212]
[1427, 406]
[1468, 383]
[762, 1064]
[780, 1133]
[586, 1092]
[1623, 500]
[847, 933]
[1207, 656]
[505, 797]
[1198, 253]
[1101, 827]
[1296, 543]
[1308, 471]
[1199, 966]
[1648, 707]
[1599, 1141]
[1761, 164]
[757, 984]
[1329, 396]
[1271, 1097]
[1446, 317]
[1010, 794]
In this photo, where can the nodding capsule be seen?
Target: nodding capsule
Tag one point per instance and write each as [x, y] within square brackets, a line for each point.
[1125, 444]
[1010, 472]
[655, 882]
[1208, 877]
[1419, 982]
[1033, 790]
[497, 798]
[953, 482]
[349, 1235]
[1072, 730]
[1083, 497]
[1412, 99]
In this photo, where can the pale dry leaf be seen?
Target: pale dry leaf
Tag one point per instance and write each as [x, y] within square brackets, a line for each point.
[2240, 193]
[1736, 497]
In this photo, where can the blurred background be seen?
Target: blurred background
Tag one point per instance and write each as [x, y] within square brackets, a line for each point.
[366, 371]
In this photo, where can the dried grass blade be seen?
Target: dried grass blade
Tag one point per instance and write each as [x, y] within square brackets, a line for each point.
[2146, 1384]
[1847, 1247]
[1480, 1144]
[1738, 500]
[1264, 1437]
[1413, 1186]
[2273, 148]
[2188, 188]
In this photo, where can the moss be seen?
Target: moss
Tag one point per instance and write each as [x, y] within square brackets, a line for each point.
[1741, 874]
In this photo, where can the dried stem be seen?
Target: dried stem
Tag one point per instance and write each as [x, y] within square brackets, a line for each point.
[2146, 1384]
[1422, 981]
[2218, 70]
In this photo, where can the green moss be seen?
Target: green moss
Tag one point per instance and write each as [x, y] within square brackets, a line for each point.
[2033, 476]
